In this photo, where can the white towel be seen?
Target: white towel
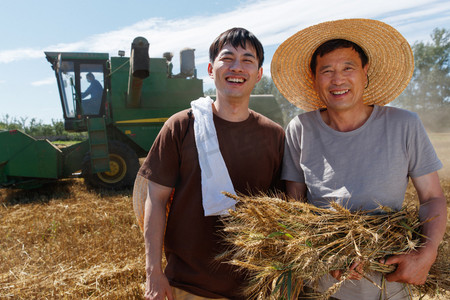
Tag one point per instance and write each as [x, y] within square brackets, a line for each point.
[214, 172]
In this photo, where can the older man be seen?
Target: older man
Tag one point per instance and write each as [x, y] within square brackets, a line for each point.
[352, 149]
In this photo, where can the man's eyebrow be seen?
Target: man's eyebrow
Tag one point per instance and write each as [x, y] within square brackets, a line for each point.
[226, 52]
[249, 54]
[350, 63]
[324, 67]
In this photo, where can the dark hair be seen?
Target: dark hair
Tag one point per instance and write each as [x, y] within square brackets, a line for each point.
[332, 45]
[236, 37]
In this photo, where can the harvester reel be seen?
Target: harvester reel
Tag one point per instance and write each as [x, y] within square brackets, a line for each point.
[124, 165]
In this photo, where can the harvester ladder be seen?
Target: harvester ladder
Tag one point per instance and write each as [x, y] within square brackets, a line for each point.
[98, 144]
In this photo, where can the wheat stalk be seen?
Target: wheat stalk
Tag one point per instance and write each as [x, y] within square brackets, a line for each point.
[284, 243]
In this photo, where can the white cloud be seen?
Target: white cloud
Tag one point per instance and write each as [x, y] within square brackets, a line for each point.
[46, 81]
[271, 20]
[8, 56]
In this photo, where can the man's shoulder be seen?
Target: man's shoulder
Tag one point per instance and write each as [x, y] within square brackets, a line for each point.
[396, 110]
[309, 118]
[398, 113]
[180, 118]
[309, 115]
[265, 121]
[177, 124]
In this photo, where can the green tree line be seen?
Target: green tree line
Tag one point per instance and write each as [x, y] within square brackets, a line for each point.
[38, 129]
[428, 93]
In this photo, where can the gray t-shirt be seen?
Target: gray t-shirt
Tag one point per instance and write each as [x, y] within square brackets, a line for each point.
[359, 169]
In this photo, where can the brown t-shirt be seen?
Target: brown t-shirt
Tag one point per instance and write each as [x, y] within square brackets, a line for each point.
[253, 153]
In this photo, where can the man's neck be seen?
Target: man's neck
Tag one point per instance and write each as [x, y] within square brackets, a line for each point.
[233, 110]
[345, 121]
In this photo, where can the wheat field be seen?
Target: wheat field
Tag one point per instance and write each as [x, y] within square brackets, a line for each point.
[66, 241]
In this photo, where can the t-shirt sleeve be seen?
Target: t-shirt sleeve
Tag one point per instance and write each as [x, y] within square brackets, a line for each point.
[422, 156]
[163, 160]
[291, 170]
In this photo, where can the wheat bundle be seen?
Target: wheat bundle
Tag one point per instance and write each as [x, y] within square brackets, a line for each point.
[285, 243]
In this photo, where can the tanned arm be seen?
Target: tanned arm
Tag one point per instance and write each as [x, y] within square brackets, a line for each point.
[157, 286]
[413, 268]
[296, 190]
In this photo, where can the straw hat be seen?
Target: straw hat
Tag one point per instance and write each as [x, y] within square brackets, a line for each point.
[391, 61]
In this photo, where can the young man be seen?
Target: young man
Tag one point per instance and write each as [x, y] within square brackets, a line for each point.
[350, 148]
[214, 147]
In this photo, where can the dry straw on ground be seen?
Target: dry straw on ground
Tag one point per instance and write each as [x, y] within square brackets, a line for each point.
[64, 241]
[283, 244]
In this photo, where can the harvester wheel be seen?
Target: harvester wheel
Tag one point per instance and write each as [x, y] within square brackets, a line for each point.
[123, 163]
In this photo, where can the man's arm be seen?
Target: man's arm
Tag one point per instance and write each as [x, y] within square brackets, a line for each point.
[87, 92]
[157, 286]
[413, 267]
[296, 190]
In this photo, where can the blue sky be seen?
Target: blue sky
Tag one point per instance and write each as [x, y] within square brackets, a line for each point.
[28, 28]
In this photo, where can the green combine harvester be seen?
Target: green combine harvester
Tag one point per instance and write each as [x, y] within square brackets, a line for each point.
[122, 103]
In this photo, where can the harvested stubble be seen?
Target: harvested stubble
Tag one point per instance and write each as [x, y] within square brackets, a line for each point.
[283, 243]
[64, 241]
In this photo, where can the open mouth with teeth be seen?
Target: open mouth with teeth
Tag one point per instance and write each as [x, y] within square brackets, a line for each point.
[235, 80]
[341, 92]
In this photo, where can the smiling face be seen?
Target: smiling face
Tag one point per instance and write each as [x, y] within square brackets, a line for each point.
[340, 79]
[235, 72]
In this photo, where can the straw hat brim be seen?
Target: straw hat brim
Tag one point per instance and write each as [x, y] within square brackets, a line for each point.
[391, 61]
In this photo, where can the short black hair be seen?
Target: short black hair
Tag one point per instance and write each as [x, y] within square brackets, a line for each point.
[332, 45]
[236, 37]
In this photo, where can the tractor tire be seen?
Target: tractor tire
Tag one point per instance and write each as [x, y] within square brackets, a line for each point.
[124, 165]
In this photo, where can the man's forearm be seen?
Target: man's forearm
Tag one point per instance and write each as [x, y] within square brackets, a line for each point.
[154, 224]
[157, 285]
[434, 213]
[433, 209]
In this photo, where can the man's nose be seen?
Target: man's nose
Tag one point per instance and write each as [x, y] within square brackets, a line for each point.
[338, 78]
[236, 65]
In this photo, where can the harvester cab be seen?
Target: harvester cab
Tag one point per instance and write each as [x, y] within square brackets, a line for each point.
[83, 83]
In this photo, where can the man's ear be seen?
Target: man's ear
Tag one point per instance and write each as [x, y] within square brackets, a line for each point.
[365, 69]
[314, 82]
[260, 74]
[210, 71]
